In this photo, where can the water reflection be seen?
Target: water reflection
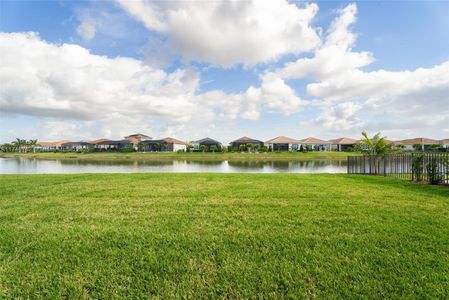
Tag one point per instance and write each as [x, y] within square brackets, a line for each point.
[54, 166]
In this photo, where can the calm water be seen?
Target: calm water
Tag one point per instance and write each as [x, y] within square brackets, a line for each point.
[54, 166]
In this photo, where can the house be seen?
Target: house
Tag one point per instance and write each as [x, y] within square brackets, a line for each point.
[76, 146]
[423, 143]
[283, 143]
[315, 144]
[444, 143]
[244, 140]
[49, 146]
[208, 142]
[94, 142]
[109, 145]
[137, 138]
[167, 144]
[343, 144]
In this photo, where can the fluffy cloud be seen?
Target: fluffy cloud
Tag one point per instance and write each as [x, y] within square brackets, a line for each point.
[341, 117]
[337, 70]
[334, 57]
[273, 95]
[67, 81]
[229, 32]
[87, 28]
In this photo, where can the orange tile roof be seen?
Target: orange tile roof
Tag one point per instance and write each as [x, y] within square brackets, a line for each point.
[174, 141]
[313, 140]
[99, 141]
[444, 141]
[344, 141]
[52, 144]
[414, 141]
[282, 140]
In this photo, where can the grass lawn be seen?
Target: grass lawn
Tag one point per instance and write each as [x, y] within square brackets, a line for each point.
[222, 235]
[188, 155]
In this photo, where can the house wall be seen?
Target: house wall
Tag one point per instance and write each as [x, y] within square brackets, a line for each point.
[177, 147]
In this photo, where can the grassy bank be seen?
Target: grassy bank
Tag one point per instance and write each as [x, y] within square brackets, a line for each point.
[186, 155]
[222, 235]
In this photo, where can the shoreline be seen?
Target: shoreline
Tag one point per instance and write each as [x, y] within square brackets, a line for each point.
[185, 156]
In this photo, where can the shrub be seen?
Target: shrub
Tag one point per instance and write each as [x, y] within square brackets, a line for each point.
[433, 171]
[127, 149]
[417, 167]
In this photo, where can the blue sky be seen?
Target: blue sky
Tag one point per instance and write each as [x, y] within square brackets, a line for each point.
[226, 96]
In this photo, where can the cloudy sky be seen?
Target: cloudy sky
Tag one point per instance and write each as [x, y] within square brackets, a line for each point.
[191, 69]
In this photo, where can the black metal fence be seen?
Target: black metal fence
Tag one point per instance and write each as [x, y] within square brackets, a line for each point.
[430, 167]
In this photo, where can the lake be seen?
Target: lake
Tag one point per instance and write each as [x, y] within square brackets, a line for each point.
[55, 166]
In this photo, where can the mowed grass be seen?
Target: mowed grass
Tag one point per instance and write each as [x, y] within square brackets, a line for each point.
[222, 236]
[187, 155]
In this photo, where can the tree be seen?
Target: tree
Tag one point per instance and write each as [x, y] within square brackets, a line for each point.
[213, 148]
[243, 147]
[190, 147]
[203, 148]
[256, 147]
[417, 147]
[376, 145]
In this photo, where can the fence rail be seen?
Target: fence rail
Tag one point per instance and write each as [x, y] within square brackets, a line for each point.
[431, 167]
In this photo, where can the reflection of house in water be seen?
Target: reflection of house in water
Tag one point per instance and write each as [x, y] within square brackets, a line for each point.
[248, 164]
[204, 162]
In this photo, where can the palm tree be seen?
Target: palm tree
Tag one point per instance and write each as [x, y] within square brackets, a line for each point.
[203, 148]
[256, 147]
[32, 144]
[213, 148]
[374, 147]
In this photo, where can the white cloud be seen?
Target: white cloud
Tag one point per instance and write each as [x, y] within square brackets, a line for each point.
[420, 94]
[68, 82]
[334, 56]
[341, 117]
[229, 32]
[87, 28]
[273, 95]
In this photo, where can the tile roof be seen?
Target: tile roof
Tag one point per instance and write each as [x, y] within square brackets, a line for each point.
[99, 141]
[444, 141]
[208, 140]
[173, 141]
[282, 140]
[344, 141]
[414, 141]
[141, 135]
[313, 140]
[245, 139]
[52, 144]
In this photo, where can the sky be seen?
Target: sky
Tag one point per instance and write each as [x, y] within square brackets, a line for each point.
[81, 70]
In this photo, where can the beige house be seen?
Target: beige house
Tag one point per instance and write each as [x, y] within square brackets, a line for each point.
[167, 144]
[283, 143]
[315, 144]
[137, 138]
[444, 143]
[343, 144]
[423, 142]
[50, 146]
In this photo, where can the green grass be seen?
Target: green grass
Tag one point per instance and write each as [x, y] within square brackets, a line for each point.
[205, 236]
[187, 155]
